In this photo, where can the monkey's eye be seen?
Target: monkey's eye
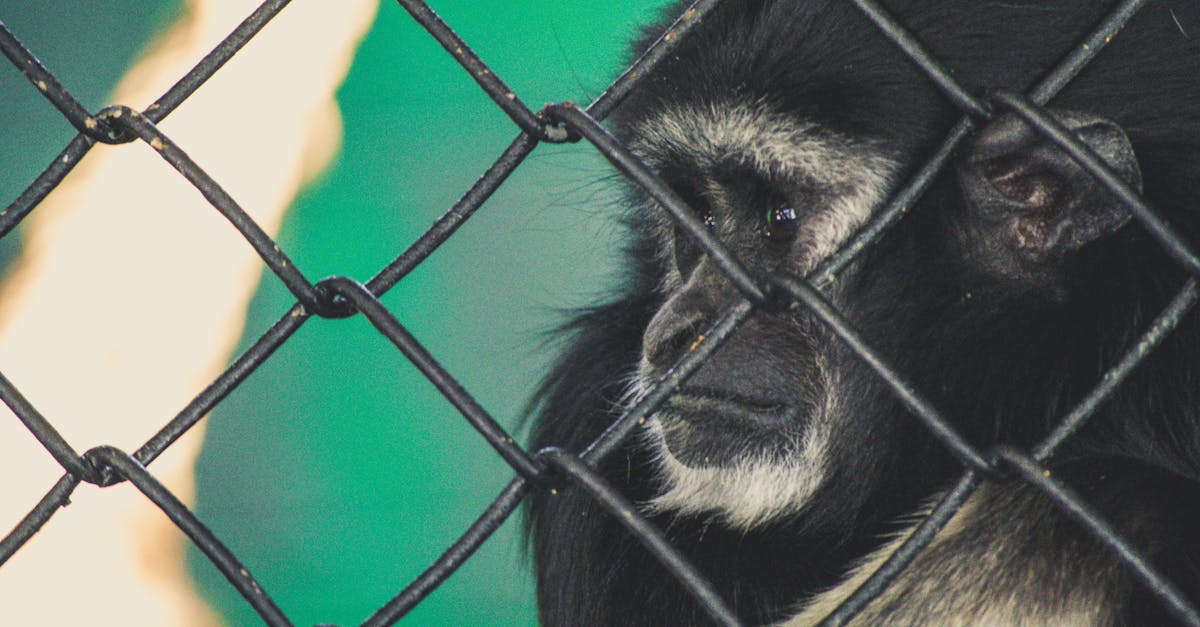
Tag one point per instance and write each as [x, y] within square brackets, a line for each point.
[781, 224]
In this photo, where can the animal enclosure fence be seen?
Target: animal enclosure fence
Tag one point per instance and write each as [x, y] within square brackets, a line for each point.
[340, 296]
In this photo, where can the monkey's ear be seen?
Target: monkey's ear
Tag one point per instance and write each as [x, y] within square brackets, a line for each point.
[1031, 198]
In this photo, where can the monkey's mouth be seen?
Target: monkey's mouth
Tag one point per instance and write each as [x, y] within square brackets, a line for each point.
[704, 428]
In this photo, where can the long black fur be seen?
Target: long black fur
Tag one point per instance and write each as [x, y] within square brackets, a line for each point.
[1004, 359]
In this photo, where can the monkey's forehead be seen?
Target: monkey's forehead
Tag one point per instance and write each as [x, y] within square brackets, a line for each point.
[707, 136]
[776, 151]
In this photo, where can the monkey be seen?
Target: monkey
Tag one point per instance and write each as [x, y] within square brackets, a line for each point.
[784, 468]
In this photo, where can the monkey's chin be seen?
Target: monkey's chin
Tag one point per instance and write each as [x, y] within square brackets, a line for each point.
[765, 473]
[716, 430]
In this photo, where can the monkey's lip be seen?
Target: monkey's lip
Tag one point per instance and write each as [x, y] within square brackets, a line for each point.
[702, 428]
[701, 406]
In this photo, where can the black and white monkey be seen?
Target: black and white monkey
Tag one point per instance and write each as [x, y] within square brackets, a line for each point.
[784, 468]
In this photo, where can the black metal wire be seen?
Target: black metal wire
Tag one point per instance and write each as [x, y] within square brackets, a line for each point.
[41, 429]
[453, 557]
[48, 85]
[226, 382]
[969, 481]
[633, 168]
[826, 272]
[127, 467]
[448, 223]
[524, 143]
[624, 512]
[904, 554]
[1082, 55]
[57, 497]
[341, 296]
[902, 199]
[1074, 505]
[79, 117]
[214, 60]
[923, 60]
[45, 183]
[933, 419]
[1118, 373]
[710, 341]
[491, 84]
[660, 50]
[368, 305]
[276, 259]
[1171, 241]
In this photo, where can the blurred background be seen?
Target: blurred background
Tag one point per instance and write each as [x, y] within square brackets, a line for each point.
[336, 473]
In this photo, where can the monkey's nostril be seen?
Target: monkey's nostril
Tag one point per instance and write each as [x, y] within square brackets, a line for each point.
[670, 335]
[664, 351]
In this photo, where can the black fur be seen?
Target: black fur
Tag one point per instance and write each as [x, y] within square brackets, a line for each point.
[1002, 342]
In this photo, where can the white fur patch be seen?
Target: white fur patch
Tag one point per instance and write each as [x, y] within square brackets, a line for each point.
[750, 492]
[765, 140]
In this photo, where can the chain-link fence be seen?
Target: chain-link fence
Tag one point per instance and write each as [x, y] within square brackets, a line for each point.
[339, 297]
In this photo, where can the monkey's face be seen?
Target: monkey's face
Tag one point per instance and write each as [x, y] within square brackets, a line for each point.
[746, 434]
[750, 434]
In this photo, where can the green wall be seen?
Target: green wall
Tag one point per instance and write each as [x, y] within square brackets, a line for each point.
[336, 473]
